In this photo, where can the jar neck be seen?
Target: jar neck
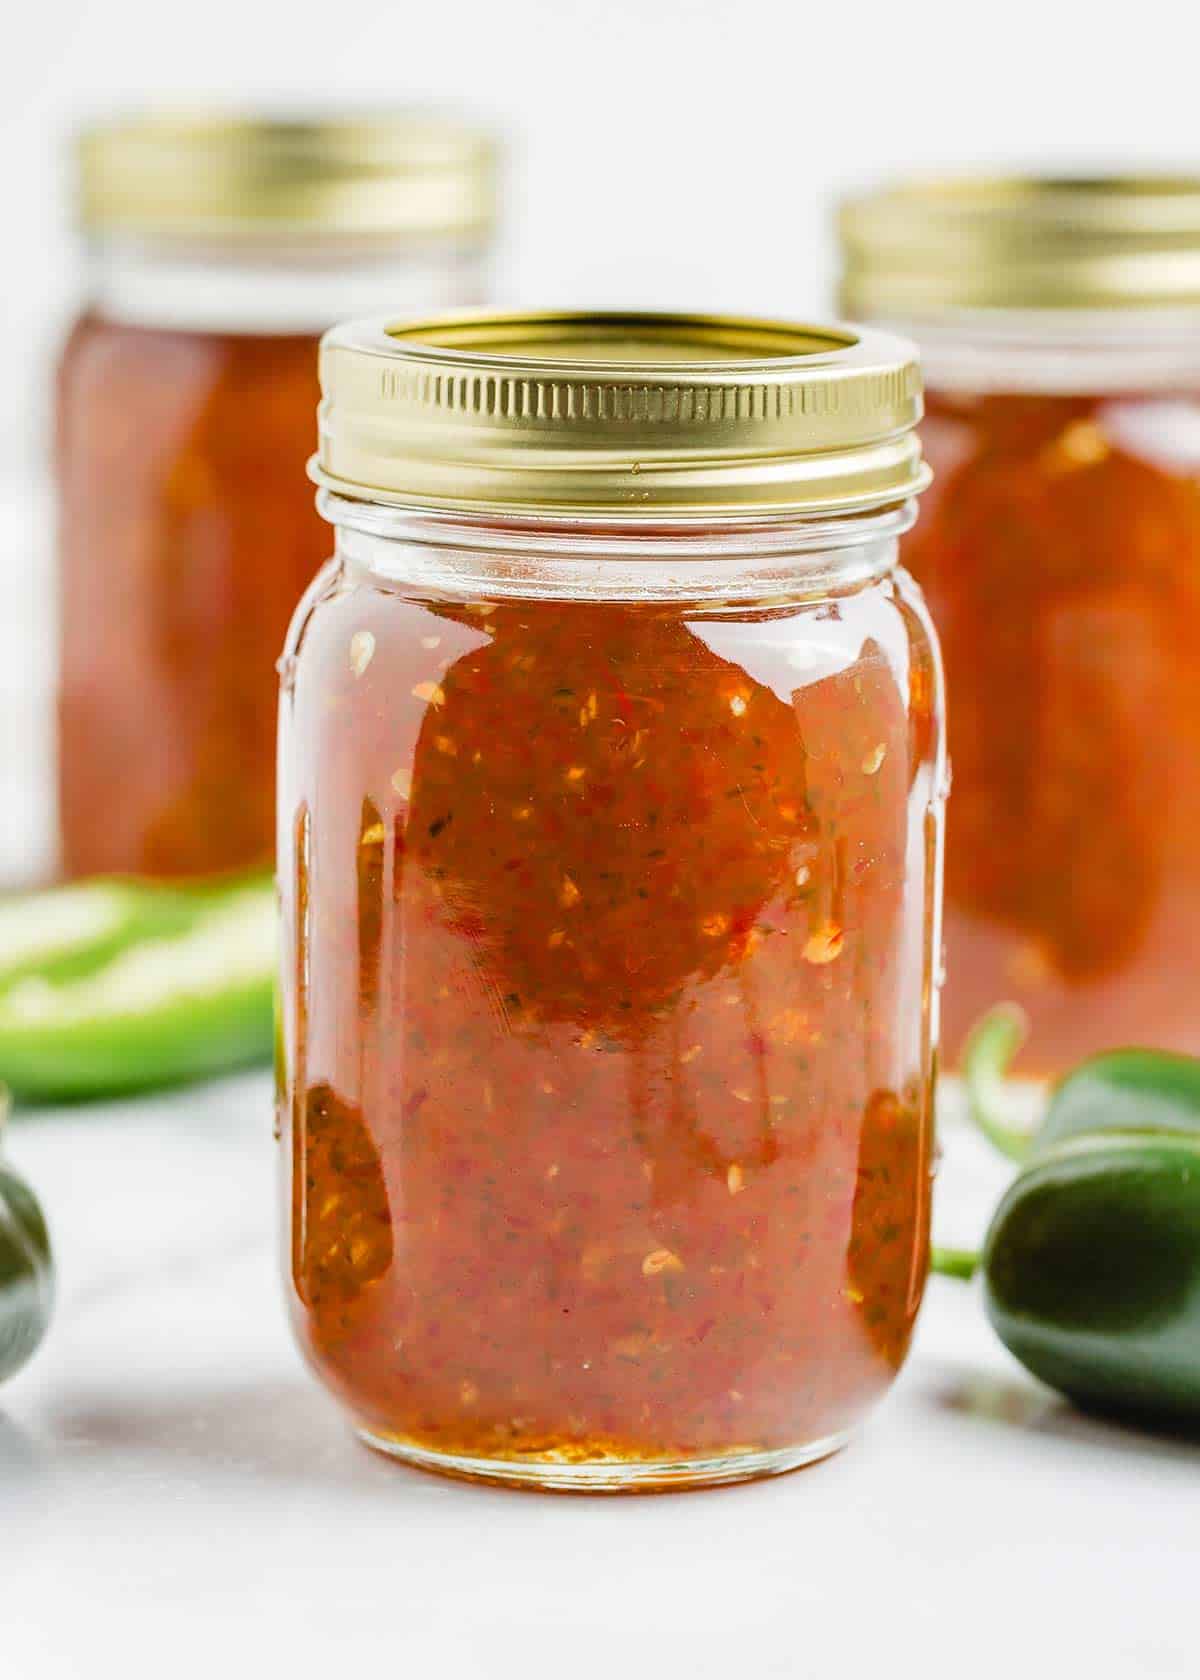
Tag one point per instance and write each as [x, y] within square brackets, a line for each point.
[1070, 352]
[266, 288]
[765, 560]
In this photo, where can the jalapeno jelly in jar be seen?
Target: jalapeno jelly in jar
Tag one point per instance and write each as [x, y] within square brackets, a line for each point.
[218, 251]
[610, 802]
[1059, 326]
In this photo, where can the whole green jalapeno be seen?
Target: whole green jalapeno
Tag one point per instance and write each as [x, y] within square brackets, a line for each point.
[1091, 1263]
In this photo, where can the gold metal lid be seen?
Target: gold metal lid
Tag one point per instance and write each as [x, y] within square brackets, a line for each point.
[633, 415]
[927, 248]
[243, 177]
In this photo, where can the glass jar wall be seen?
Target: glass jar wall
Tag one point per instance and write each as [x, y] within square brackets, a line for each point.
[609, 858]
[217, 254]
[1059, 549]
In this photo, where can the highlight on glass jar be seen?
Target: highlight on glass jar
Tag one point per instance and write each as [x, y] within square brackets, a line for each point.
[218, 251]
[611, 781]
[1059, 326]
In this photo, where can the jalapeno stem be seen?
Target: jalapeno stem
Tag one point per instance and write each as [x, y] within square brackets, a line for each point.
[954, 1262]
[993, 1043]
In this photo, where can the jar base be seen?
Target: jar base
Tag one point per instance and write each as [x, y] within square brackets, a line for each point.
[607, 1475]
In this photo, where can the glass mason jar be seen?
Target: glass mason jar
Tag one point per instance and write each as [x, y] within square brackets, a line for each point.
[1059, 326]
[217, 254]
[611, 783]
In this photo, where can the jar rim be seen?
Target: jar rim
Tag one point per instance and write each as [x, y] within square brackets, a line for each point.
[1060, 352]
[557, 556]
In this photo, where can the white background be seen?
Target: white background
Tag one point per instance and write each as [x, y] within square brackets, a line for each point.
[662, 151]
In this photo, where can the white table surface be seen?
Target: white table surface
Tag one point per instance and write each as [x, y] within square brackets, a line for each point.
[177, 1497]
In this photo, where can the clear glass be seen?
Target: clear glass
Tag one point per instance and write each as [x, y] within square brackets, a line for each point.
[1059, 549]
[186, 397]
[610, 868]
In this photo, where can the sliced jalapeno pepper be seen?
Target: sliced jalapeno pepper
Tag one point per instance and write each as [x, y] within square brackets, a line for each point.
[1091, 1264]
[26, 1270]
[120, 986]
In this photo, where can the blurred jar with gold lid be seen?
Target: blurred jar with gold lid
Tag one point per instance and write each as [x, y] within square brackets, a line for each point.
[1059, 549]
[218, 250]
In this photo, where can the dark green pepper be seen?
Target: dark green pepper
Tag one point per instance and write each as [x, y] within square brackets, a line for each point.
[26, 1270]
[114, 986]
[1091, 1264]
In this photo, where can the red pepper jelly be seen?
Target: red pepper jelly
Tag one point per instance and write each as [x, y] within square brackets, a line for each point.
[611, 784]
[218, 249]
[1059, 325]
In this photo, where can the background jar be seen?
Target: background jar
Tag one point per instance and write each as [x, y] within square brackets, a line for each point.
[611, 781]
[1059, 326]
[217, 253]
